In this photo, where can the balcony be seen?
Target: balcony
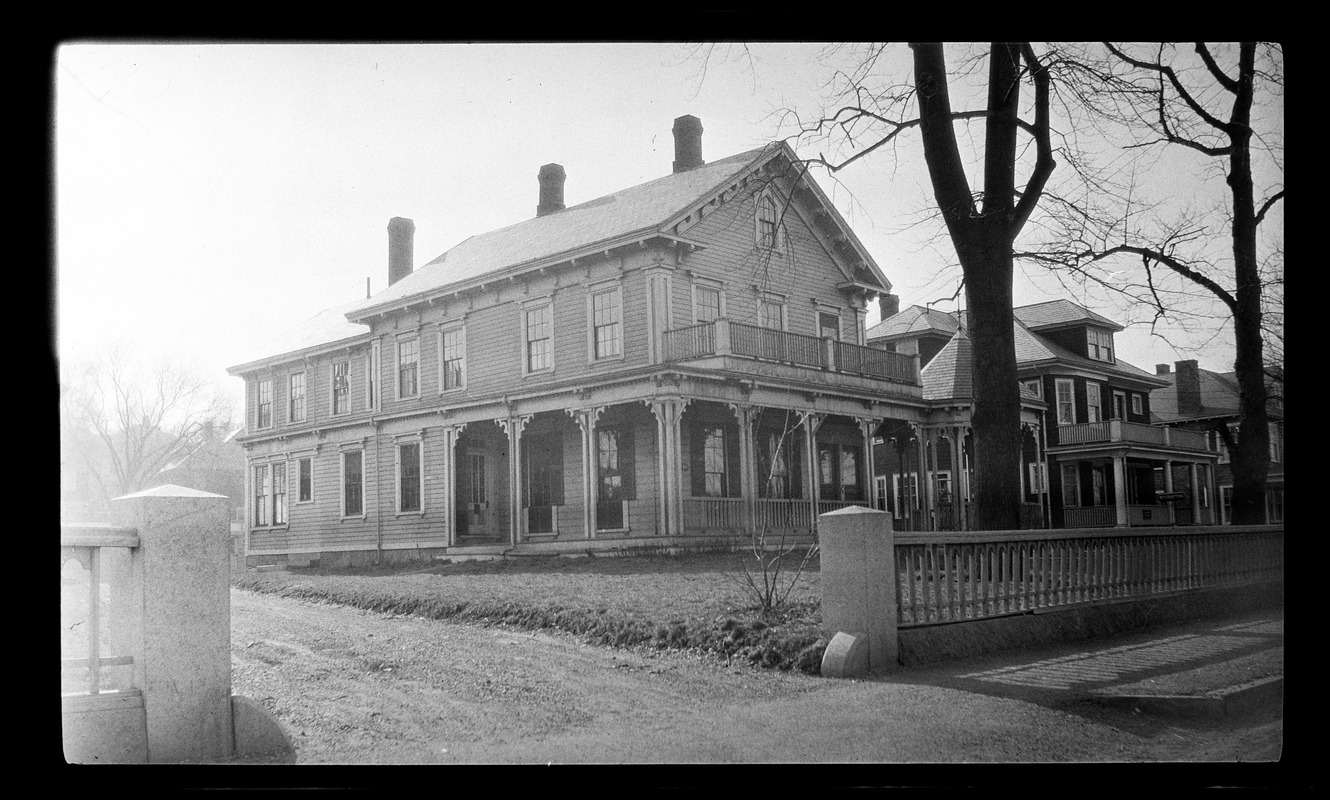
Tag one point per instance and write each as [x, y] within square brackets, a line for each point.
[725, 338]
[1117, 431]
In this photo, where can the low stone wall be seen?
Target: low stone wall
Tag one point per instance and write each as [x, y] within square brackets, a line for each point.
[932, 643]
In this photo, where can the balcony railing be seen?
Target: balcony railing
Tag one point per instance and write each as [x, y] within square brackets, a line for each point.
[723, 337]
[85, 628]
[1115, 430]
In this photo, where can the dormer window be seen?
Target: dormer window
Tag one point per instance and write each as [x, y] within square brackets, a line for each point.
[1099, 345]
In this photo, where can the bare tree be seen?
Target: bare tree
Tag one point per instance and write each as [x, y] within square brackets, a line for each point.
[122, 425]
[1194, 102]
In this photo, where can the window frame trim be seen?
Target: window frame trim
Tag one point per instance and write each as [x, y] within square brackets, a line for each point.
[615, 287]
[398, 443]
[445, 328]
[304, 396]
[1057, 400]
[341, 483]
[413, 337]
[525, 308]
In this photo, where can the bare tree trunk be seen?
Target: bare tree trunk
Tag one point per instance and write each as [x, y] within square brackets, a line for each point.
[983, 244]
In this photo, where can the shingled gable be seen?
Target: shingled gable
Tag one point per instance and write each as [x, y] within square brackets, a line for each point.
[658, 209]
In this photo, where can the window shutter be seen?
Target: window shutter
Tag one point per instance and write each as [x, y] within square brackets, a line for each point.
[795, 444]
[555, 453]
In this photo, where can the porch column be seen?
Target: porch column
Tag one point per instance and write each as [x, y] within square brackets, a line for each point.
[747, 471]
[1195, 497]
[921, 478]
[450, 434]
[811, 422]
[867, 426]
[669, 414]
[1168, 476]
[930, 450]
[513, 426]
[586, 422]
[1120, 485]
[957, 496]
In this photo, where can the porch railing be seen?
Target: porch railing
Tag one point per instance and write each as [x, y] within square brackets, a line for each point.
[1116, 430]
[713, 513]
[782, 514]
[943, 578]
[1089, 517]
[88, 545]
[723, 337]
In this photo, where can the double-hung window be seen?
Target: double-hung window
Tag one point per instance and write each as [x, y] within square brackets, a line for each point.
[304, 480]
[771, 314]
[1099, 345]
[538, 330]
[353, 483]
[453, 354]
[1071, 486]
[713, 462]
[1093, 403]
[607, 324]
[1137, 407]
[1066, 401]
[408, 368]
[408, 477]
[828, 325]
[270, 494]
[265, 403]
[341, 387]
[706, 303]
[297, 398]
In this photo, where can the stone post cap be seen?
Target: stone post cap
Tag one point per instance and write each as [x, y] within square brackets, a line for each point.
[840, 512]
[171, 490]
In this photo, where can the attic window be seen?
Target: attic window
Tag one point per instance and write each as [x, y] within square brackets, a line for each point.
[767, 220]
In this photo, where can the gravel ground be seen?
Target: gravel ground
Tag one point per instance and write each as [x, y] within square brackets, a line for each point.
[354, 687]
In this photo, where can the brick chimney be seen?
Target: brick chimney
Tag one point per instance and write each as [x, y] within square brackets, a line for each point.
[551, 189]
[1162, 369]
[889, 304]
[401, 248]
[1189, 388]
[687, 143]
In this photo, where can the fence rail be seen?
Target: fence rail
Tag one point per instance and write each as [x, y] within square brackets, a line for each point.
[782, 514]
[757, 342]
[685, 343]
[951, 579]
[875, 362]
[713, 512]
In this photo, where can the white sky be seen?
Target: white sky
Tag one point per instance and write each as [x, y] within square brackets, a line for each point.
[210, 197]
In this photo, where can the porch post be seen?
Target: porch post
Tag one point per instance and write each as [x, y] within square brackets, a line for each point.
[811, 422]
[449, 485]
[867, 426]
[1168, 475]
[1195, 496]
[586, 421]
[921, 479]
[669, 413]
[747, 475]
[1120, 484]
[513, 426]
[957, 496]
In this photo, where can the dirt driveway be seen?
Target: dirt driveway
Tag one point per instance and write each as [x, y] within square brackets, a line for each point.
[354, 687]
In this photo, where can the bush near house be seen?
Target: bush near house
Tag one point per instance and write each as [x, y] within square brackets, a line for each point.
[696, 602]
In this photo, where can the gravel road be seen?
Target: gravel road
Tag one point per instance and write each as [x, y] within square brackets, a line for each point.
[355, 687]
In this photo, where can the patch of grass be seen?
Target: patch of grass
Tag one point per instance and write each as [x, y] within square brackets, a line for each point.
[686, 602]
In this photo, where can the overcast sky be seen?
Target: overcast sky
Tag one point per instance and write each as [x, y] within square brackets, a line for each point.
[210, 197]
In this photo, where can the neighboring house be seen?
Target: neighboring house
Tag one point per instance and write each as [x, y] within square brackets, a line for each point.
[1089, 457]
[680, 359]
[216, 465]
[1199, 400]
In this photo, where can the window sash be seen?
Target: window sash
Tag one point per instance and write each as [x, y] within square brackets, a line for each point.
[279, 493]
[607, 323]
[713, 462]
[771, 315]
[1071, 486]
[454, 358]
[1093, 403]
[707, 306]
[353, 475]
[408, 477]
[297, 395]
[1066, 401]
[408, 374]
[262, 491]
[767, 220]
[265, 403]
[305, 480]
[341, 387]
[538, 330]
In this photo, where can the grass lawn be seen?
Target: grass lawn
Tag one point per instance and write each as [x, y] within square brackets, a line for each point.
[694, 601]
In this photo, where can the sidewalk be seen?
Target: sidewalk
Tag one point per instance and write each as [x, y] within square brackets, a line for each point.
[1210, 668]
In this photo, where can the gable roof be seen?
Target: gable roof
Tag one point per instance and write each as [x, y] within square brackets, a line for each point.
[629, 215]
[1060, 314]
[914, 321]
